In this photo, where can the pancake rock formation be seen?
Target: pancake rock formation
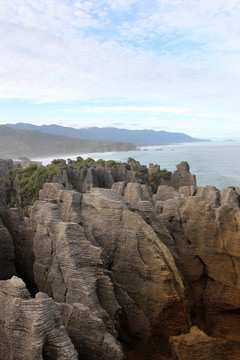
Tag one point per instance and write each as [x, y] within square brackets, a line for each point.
[124, 273]
[105, 265]
[197, 345]
[31, 329]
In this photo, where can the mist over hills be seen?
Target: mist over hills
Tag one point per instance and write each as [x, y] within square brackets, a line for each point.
[138, 137]
[15, 142]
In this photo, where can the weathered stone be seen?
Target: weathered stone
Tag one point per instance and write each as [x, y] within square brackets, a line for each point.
[197, 345]
[31, 329]
[112, 272]
[237, 190]
[206, 241]
[88, 177]
[187, 190]
[7, 254]
[230, 197]
[119, 187]
[22, 243]
[209, 194]
[182, 176]
[102, 257]
[135, 192]
[69, 202]
[165, 192]
[69, 268]
[143, 270]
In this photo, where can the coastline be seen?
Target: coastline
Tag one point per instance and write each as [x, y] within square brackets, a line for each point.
[214, 163]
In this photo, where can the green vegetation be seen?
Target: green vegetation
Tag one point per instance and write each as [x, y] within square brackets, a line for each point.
[90, 162]
[112, 164]
[29, 181]
[27, 184]
[130, 159]
[152, 175]
[164, 174]
[100, 162]
[156, 174]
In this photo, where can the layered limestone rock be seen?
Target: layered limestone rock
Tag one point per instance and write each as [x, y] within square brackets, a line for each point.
[197, 345]
[31, 329]
[165, 192]
[182, 176]
[144, 274]
[109, 271]
[68, 267]
[89, 176]
[209, 194]
[103, 256]
[93, 174]
[206, 236]
[20, 238]
[7, 254]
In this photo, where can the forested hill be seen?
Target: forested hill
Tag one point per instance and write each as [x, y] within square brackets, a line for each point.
[138, 137]
[36, 143]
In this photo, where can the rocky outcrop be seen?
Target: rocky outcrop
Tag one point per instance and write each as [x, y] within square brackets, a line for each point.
[104, 264]
[197, 345]
[31, 329]
[205, 229]
[20, 186]
[128, 270]
[19, 238]
[68, 267]
[182, 176]
[116, 240]
[209, 194]
[144, 274]
[165, 192]
[97, 175]
[7, 254]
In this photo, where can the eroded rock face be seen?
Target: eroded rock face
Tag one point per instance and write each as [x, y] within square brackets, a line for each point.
[197, 345]
[103, 256]
[209, 194]
[31, 329]
[206, 236]
[22, 249]
[182, 176]
[144, 272]
[165, 192]
[113, 248]
[95, 175]
[99, 176]
[7, 254]
[110, 270]
[68, 267]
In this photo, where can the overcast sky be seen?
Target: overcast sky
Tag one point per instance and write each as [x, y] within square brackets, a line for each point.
[169, 65]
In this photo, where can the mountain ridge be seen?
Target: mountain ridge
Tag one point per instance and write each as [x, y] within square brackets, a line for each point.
[138, 137]
[16, 142]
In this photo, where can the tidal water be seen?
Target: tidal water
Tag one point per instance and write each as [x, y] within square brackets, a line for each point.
[213, 163]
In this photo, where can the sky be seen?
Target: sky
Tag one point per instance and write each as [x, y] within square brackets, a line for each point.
[168, 65]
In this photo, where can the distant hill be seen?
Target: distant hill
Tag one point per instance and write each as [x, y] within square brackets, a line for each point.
[17, 143]
[138, 137]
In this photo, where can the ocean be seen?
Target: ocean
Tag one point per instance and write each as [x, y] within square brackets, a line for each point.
[213, 163]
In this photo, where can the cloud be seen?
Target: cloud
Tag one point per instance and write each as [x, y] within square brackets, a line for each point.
[178, 57]
[124, 108]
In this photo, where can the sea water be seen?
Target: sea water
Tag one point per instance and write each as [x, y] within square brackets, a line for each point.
[213, 163]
